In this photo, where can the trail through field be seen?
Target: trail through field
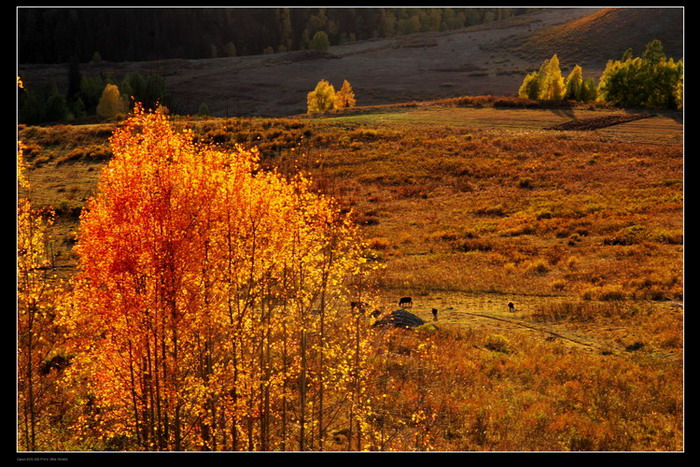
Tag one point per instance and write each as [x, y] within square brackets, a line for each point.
[520, 325]
[597, 122]
[489, 312]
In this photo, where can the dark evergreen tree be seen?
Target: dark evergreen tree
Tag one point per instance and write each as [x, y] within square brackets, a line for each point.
[74, 78]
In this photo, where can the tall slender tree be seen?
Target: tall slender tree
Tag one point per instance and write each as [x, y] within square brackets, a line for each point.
[574, 84]
[551, 87]
[345, 97]
[38, 292]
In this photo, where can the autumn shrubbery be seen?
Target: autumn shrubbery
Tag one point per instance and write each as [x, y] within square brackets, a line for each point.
[510, 189]
[462, 389]
[90, 153]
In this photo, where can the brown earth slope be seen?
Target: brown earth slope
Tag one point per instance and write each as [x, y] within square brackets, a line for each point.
[605, 34]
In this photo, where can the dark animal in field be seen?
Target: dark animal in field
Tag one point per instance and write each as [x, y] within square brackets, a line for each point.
[376, 314]
[511, 306]
[635, 346]
[435, 313]
[405, 301]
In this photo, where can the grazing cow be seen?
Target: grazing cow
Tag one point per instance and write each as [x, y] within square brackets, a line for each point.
[435, 312]
[405, 301]
[511, 306]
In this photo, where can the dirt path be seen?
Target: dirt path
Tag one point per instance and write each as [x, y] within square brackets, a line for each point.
[489, 312]
[515, 324]
[594, 123]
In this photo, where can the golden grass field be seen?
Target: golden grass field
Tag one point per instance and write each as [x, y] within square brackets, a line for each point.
[467, 208]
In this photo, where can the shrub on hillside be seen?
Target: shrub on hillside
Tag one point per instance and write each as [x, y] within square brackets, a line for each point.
[111, 104]
[320, 41]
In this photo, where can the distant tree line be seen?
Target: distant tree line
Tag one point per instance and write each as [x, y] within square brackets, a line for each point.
[90, 95]
[652, 81]
[54, 35]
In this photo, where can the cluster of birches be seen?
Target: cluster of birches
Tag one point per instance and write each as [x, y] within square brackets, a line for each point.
[652, 81]
[324, 97]
[210, 309]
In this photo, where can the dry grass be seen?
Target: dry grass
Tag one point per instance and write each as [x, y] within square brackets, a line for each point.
[457, 389]
[453, 197]
[585, 229]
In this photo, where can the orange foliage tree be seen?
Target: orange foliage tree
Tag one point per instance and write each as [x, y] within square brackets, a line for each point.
[38, 337]
[212, 301]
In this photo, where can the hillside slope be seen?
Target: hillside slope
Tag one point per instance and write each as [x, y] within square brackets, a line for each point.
[605, 34]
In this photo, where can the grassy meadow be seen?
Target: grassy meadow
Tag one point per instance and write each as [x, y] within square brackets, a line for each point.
[467, 206]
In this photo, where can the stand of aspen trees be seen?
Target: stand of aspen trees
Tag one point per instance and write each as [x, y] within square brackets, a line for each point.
[212, 302]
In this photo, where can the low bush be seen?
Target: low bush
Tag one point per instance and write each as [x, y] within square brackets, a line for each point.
[90, 153]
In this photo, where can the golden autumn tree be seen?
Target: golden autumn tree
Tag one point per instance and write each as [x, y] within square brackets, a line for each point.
[546, 84]
[38, 292]
[213, 297]
[345, 97]
[31, 260]
[551, 82]
[38, 301]
[322, 98]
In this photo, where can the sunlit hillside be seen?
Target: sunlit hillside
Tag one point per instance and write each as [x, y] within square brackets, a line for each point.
[608, 33]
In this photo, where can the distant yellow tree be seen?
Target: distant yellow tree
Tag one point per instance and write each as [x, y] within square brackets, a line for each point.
[547, 83]
[678, 93]
[574, 84]
[528, 89]
[111, 102]
[322, 98]
[552, 87]
[345, 98]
